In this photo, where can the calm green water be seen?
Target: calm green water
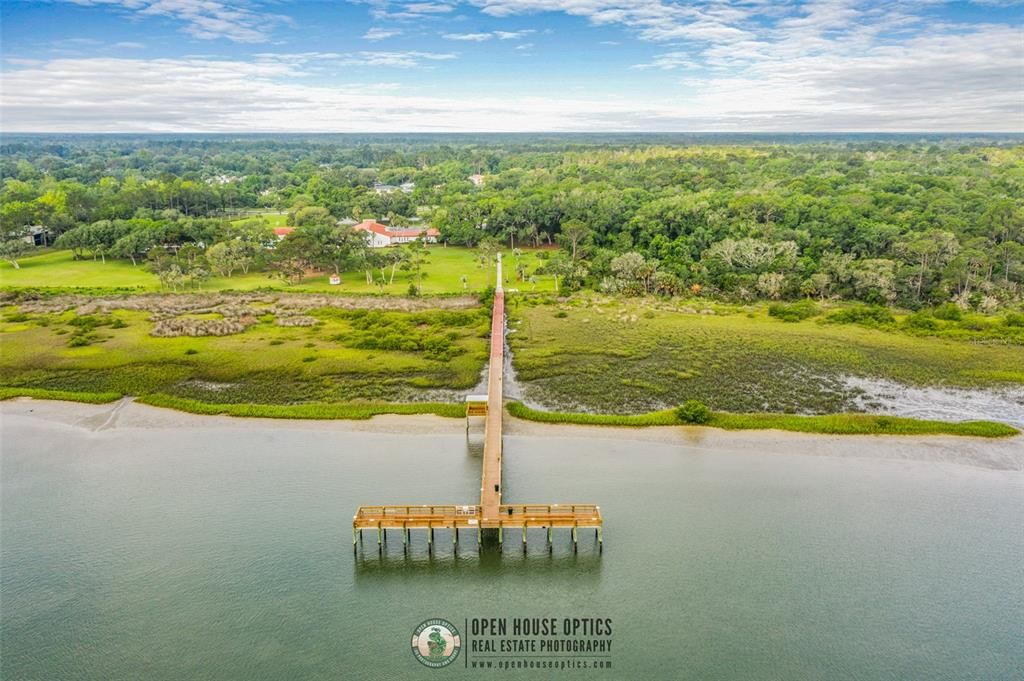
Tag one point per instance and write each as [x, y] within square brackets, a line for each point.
[219, 552]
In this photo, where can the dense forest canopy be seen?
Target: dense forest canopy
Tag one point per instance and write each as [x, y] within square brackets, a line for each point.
[908, 220]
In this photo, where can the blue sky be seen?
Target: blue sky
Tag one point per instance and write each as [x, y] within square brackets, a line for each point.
[516, 65]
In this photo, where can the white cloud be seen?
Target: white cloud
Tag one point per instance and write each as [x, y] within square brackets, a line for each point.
[130, 45]
[483, 37]
[381, 33]
[408, 59]
[203, 19]
[670, 61]
[412, 11]
[513, 35]
[652, 19]
[468, 37]
[428, 8]
[953, 82]
[956, 81]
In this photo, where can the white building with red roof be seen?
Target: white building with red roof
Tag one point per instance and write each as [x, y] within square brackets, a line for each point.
[379, 236]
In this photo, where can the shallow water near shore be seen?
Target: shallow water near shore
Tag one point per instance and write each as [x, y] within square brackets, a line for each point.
[939, 403]
[144, 543]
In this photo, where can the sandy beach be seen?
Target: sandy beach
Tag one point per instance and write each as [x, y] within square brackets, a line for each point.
[994, 454]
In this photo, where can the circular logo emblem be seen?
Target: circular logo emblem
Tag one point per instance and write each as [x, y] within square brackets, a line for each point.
[436, 643]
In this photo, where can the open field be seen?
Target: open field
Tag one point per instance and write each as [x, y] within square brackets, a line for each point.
[339, 355]
[273, 219]
[443, 274]
[629, 356]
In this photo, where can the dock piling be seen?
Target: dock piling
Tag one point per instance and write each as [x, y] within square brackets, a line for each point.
[491, 515]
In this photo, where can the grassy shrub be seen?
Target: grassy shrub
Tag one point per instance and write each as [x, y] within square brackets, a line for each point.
[432, 333]
[865, 315]
[974, 322]
[1014, 320]
[921, 321]
[948, 311]
[794, 312]
[65, 395]
[693, 411]
[341, 410]
[837, 424]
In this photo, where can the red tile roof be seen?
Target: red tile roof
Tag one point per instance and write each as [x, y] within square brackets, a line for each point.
[283, 231]
[372, 226]
[383, 230]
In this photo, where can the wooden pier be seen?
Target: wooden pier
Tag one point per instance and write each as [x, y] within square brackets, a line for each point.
[490, 518]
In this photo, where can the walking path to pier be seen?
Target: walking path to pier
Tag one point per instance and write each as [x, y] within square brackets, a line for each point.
[490, 518]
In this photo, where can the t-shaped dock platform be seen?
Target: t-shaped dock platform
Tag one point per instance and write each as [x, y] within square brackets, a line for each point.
[490, 518]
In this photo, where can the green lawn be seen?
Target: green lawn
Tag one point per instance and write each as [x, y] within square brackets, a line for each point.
[630, 356]
[443, 275]
[273, 219]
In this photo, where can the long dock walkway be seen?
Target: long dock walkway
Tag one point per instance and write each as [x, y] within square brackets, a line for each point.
[490, 518]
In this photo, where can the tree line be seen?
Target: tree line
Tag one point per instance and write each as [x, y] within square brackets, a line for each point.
[883, 221]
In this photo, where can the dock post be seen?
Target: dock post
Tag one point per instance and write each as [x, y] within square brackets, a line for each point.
[600, 540]
[385, 535]
[574, 544]
[499, 535]
[430, 536]
[524, 536]
[380, 546]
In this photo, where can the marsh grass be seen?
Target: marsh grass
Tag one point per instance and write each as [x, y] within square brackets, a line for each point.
[65, 395]
[836, 424]
[266, 364]
[344, 410]
[609, 355]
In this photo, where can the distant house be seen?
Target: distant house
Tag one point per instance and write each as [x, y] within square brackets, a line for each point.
[36, 235]
[477, 180]
[405, 188]
[282, 232]
[381, 188]
[379, 236]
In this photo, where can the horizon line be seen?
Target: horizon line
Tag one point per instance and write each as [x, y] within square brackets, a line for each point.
[513, 132]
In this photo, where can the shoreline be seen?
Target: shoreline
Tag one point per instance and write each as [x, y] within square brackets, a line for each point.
[1005, 454]
[828, 424]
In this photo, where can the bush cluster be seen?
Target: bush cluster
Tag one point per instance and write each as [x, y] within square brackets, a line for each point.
[794, 312]
[693, 411]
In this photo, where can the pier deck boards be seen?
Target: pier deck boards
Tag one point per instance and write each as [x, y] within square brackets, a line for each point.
[490, 513]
